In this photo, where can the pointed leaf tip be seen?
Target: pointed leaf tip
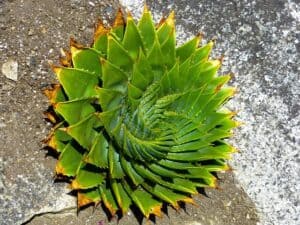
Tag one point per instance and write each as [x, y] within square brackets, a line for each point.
[56, 69]
[156, 211]
[100, 29]
[129, 16]
[59, 169]
[82, 200]
[119, 19]
[75, 44]
[146, 9]
[171, 19]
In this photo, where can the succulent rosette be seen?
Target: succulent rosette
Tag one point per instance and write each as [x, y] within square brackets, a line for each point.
[138, 120]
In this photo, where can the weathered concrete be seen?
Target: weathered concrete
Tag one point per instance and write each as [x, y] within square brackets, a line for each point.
[261, 43]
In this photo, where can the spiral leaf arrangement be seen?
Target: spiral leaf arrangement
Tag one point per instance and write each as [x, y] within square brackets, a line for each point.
[139, 121]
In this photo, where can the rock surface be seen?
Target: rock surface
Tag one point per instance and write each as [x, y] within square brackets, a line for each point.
[261, 43]
[10, 69]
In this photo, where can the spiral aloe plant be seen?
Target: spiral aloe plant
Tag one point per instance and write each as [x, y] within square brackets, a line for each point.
[139, 121]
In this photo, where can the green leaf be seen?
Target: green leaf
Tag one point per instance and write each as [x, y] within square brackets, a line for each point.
[171, 81]
[69, 160]
[100, 38]
[206, 153]
[108, 198]
[134, 92]
[87, 196]
[77, 83]
[170, 196]
[118, 56]
[207, 71]
[202, 54]
[165, 172]
[132, 40]
[118, 26]
[124, 201]
[111, 119]
[167, 27]
[216, 165]
[109, 99]
[187, 49]
[147, 29]
[155, 56]
[187, 186]
[201, 172]
[88, 176]
[115, 168]
[59, 139]
[146, 203]
[113, 78]
[130, 171]
[220, 98]
[175, 164]
[75, 110]
[143, 66]
[98, 155]
[138, 79]
[83, 132]
[168, 49]
[87, 59]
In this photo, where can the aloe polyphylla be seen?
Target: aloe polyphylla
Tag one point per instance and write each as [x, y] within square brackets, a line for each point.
[139, 121]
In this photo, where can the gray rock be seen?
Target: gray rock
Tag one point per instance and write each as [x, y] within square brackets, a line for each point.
[10, 69]
[260, 40]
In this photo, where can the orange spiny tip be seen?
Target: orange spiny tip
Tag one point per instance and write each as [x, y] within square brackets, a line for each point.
[82, 200]
[48, 138]
[55, 69]
[146, 9]
[239, 123]
[233, 113]
[156, 210]
[119, 19]
[66, 58]
[189, 200]
[75, 44]
[171, 19]
[109, 207]
[218, 187]
[100, 30]
[218, 88]
[214, 183]
[129, 16]
[221, 58]
[161, 22]
[176, 206]
[52, 142]
[75, 185]
[51, 92]
[228, 168]
[50, 117]
[200, 36]
[59, 169]
[234, 150]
